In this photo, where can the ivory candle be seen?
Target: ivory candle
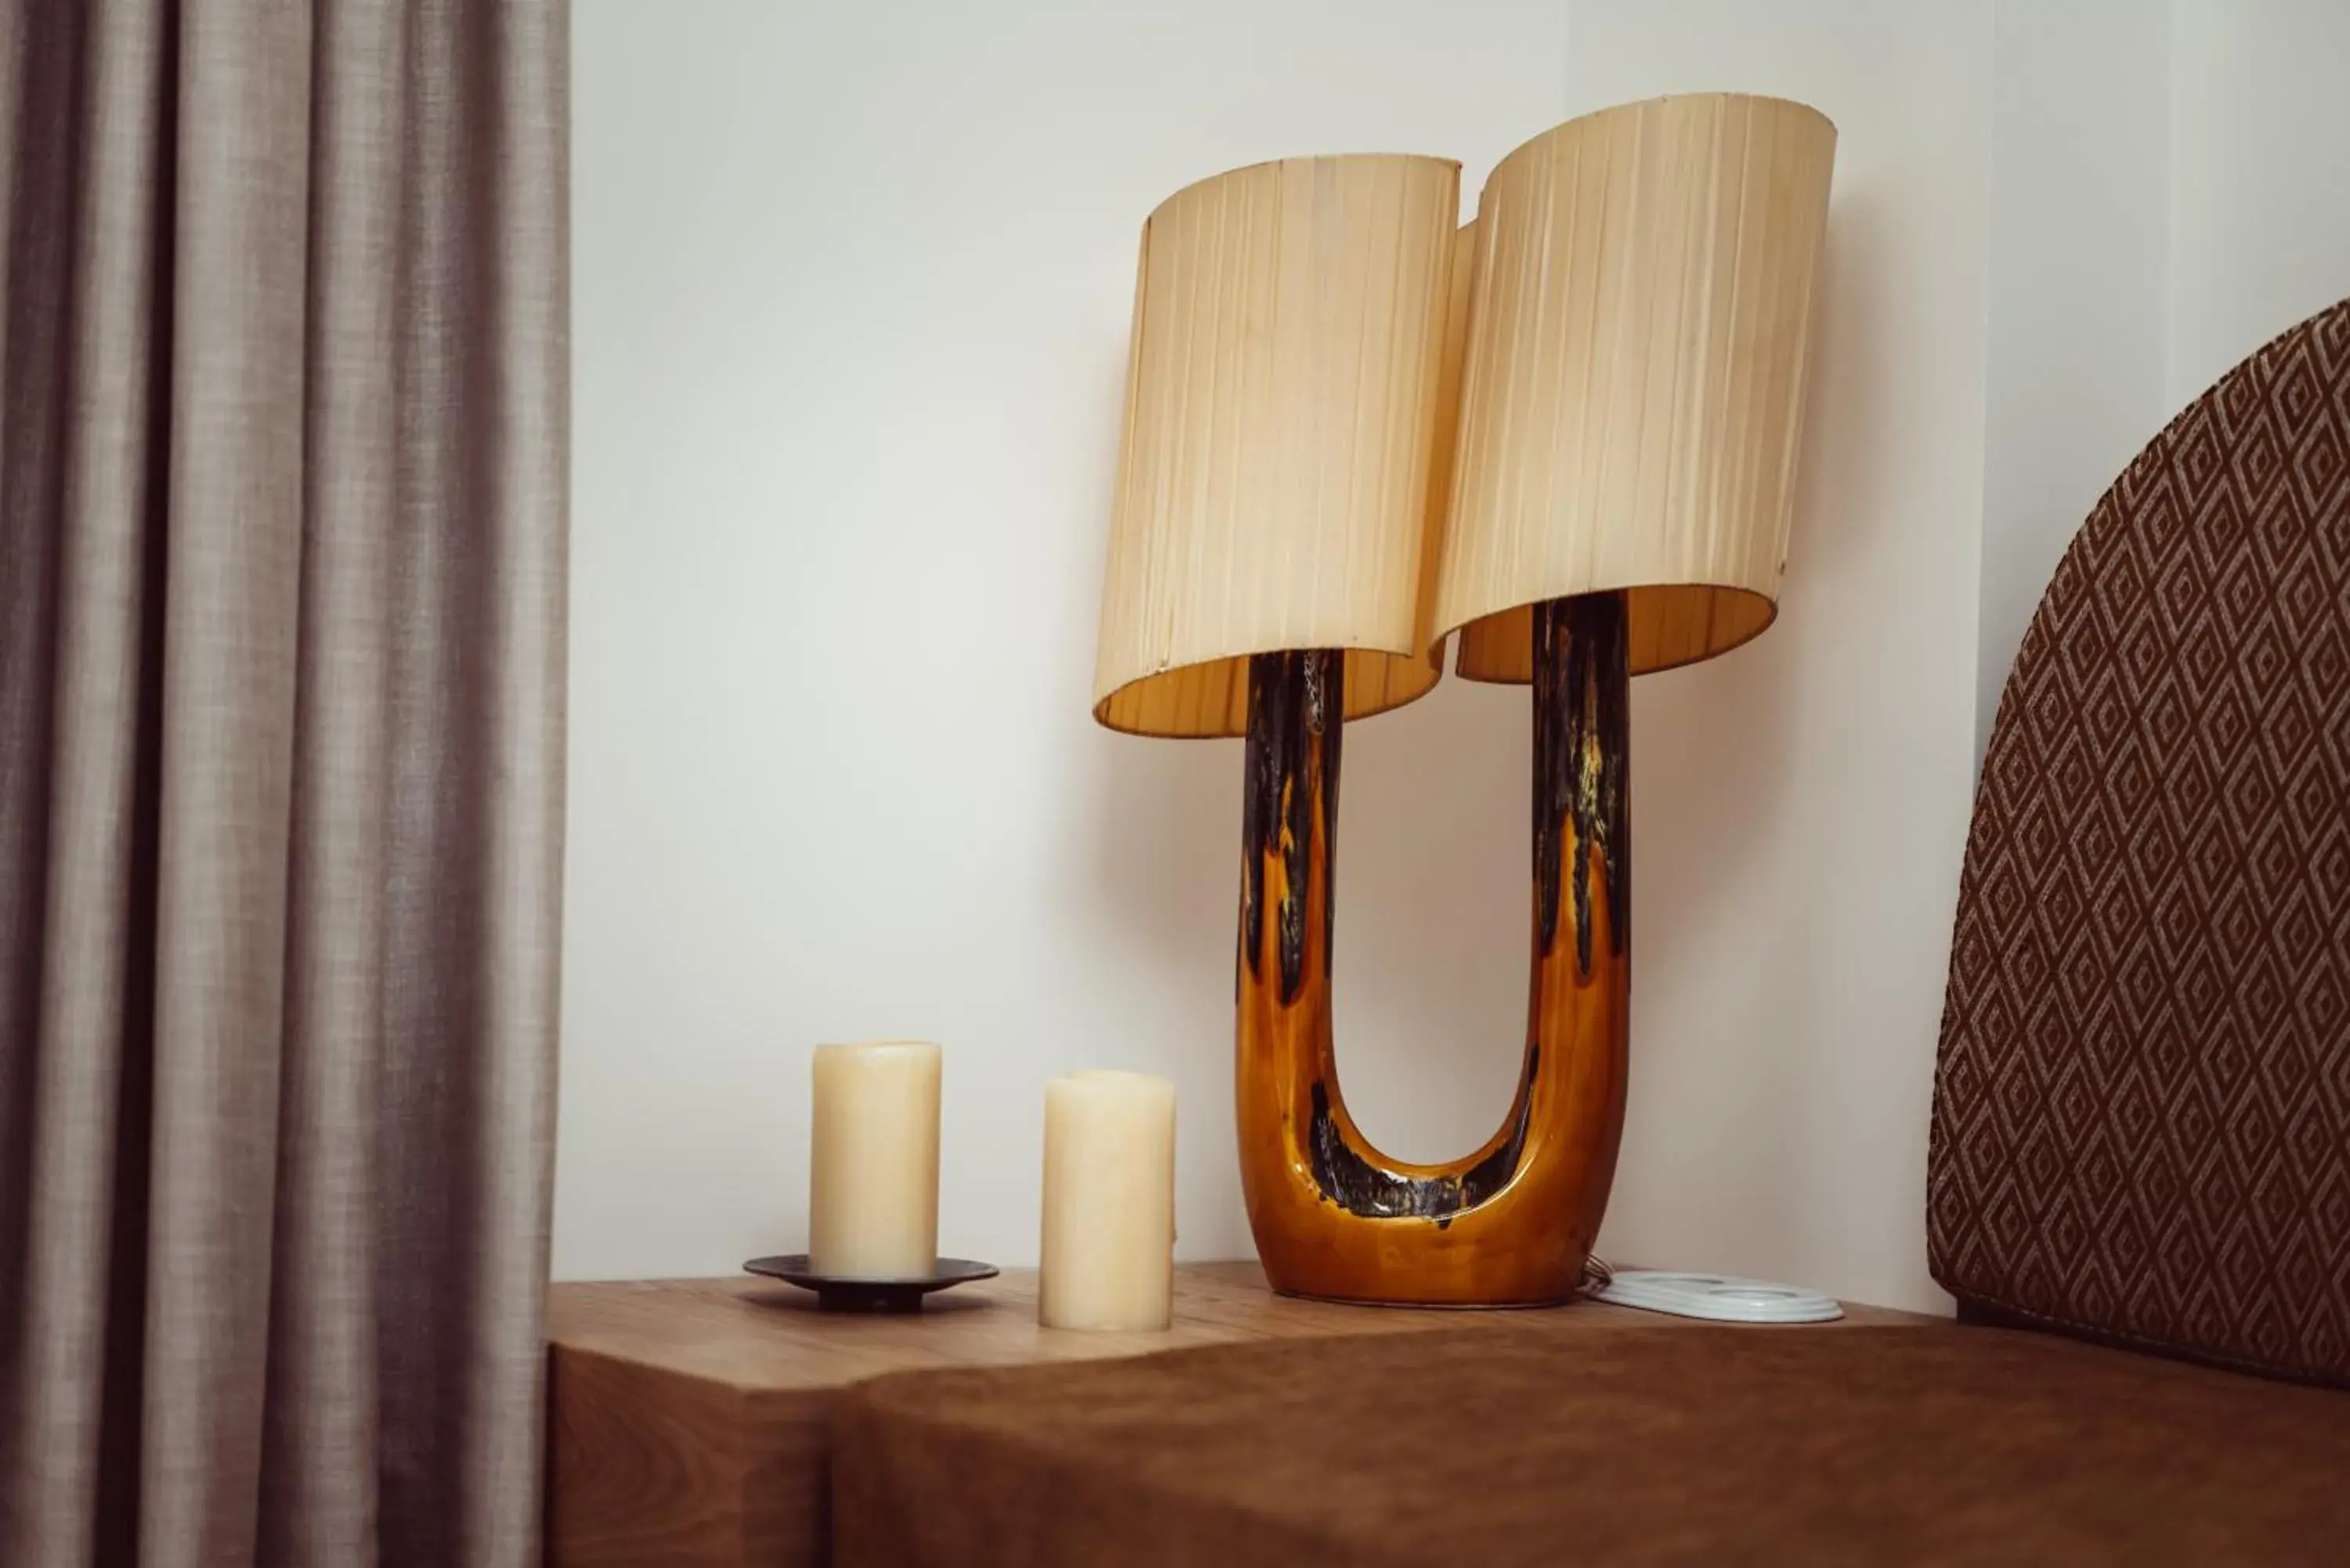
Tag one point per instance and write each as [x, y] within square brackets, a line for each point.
[1109, 1257]
[873, 1161]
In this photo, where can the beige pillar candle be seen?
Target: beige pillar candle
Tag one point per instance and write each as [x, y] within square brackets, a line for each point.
[873, 1161]
[1108, 1259]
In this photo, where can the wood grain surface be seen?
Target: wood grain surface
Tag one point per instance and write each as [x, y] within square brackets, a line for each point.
[688, 1418]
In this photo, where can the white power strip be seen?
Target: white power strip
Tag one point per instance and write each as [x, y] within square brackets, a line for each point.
[1719, 1297]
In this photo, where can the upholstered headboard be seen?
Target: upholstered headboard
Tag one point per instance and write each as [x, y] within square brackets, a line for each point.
[2142, 1109]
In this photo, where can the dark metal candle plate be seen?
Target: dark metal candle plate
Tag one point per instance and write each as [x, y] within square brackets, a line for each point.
[835, 1293]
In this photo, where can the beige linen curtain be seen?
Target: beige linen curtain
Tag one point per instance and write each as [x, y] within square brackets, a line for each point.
[282, 517]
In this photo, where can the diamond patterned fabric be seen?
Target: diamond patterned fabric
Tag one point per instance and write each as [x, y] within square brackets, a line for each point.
[2142, 1106]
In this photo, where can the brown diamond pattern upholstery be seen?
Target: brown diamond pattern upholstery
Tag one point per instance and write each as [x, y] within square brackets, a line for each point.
[2142, 1108]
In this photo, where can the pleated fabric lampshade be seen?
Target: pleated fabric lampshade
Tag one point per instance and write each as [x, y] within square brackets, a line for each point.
[1288, 435]
[1633, 392]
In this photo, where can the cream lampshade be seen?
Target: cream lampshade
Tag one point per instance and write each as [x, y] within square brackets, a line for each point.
[1634, 393]
[1287, 431]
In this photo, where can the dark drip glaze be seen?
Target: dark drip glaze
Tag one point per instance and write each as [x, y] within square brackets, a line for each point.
[1290, 812]
[1582, 751]
[1511, 1223]
[1359, 1185]
[1294, 729]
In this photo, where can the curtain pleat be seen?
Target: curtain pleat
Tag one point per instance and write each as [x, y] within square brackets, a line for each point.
[85, 419]
[232, 599]
[320, 1456]
[282, 590]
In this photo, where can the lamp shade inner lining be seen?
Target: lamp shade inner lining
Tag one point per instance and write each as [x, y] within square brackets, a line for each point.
[1210, 698]
[1672, 624]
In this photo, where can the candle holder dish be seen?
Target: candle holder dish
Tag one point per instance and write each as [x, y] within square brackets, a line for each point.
[836, 1292]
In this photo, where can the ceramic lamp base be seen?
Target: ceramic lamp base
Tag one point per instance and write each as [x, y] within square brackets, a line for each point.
[1512, 1223]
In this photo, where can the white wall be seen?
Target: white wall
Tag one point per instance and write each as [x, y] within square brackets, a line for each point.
[2260, 177]
[852, 291]
[2170, 190]
[2079, 232]
[851, 296]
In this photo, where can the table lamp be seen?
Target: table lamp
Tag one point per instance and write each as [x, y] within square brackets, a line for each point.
[1628, 326]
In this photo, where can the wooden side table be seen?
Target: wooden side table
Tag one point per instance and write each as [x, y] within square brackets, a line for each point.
[689, 1417]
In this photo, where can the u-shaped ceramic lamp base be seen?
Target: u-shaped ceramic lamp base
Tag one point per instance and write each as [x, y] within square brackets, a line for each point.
[1510, 1224]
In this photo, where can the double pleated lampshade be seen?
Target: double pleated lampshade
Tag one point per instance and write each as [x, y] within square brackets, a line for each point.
[1351, 425]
